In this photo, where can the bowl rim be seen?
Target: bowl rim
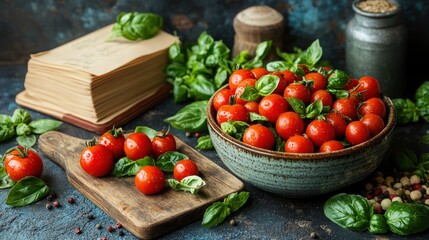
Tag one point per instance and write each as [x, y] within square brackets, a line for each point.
[388, 128]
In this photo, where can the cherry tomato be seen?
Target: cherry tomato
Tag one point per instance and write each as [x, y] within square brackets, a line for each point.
[236, 112]
[299, 144]
[339, 123]
[304, 68]
[260, 136]
[272, 106]
[319, 81]
[346, 107]
[250, 82]
[373, 122]
[97, 160]
[22, 162]
[357, 132]
[184, 168]
[282, 82]
[373, 105]
[320, 131]
[289, 124]
[252, 107]
[369, 87]
[352, 83]
[259, 72]
[137, 145]
[163, 142]
[331, 145]
[323, 96]
[222, 98]
[289, 76]
[237, 76]
[114, 141]
[149, 180]
[297, 90]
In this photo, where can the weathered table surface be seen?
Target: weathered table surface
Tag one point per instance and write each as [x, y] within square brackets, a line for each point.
[265, 216]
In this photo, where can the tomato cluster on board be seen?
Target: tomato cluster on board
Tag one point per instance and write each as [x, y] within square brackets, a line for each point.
[99, 157]
[318, 110]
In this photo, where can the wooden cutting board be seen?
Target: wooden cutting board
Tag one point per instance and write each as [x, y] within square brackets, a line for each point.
[144, 216]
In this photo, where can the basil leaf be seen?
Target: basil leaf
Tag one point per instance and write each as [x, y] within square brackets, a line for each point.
[176, 70]
[236, 200]
[191, 184]
[406, 111]
[314, 109]
[5, 120]
[20, 116]
[250, 94]
[256, 117]
[215, 214]
[5, 180]
[6, 132]
[191, 118]
[263, 49]
[180, 92]
[27, 191]
[40, 126]
[27, 141]
[150, 132]
[378, 224]
[201, 88]
[167, 160]
[23, 129]
[349, 211]
[407, 218]
[127, 167]
[297, 105]
[267, 84]
[220, 77]
[404, 159]
[234, 128]
[312, 54]
[338, 80]
[277, 66]
[137, 25]
[175, 54]
[204, 143]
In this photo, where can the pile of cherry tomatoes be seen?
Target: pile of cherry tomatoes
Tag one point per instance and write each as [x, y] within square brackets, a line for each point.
[99, 157]
[351, 115]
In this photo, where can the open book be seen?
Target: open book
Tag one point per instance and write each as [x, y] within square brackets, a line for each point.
[94, 83]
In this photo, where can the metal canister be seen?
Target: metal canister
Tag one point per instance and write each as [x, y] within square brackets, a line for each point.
[376, 46]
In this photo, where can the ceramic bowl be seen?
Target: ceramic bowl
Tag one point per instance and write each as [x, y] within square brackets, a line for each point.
[301, 175]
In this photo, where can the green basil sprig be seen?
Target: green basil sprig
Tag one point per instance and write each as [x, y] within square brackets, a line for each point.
[24, 128]
[407, 218]
[312, 111]
[191, 184]
[127, 167]
[408, 111]
[204, 143]
[191, 118]
[167, 160]
[135, 25]
[27, 191]
[234, 128]
[5, 180]
[263, 87]
[218, 211]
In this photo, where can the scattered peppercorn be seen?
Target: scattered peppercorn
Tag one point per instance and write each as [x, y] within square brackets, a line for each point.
[70, 200]
[56, 204]
[232, 222]
[98, 226]
[314, 235]
[187, 134]
[121, 233]
[48, 206]
[103, 238]
[110, 228]
[197, 135]
[78, 230]
[118, 225]
[90, 216]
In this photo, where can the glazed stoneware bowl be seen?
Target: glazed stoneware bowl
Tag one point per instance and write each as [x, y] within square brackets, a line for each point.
[301, 175]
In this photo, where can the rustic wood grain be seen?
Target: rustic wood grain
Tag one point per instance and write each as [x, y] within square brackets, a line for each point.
[144, 216]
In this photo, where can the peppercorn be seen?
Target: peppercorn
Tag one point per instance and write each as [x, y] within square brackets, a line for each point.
[314, 235]
[232, 222]
[121, 233]
[110, 228]
[187, 134]
[70, 200]
[118, 225]
[56, 204]
[90, 216]
[48, 206]
[103, 238]
[197, 135]
[78, 230]
[98, 226]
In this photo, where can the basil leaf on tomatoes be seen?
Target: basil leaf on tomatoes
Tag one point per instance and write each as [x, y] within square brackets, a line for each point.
[127, 167]
[167, 160]
[27, 191]
[191, 184]
[338, 79]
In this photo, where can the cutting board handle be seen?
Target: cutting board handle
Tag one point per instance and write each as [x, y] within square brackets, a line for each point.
[58, 146]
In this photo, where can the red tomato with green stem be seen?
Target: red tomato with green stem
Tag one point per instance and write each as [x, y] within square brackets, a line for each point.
[260, 136]
[299, 144]
[252, 107]
[373, 105]
[289, 124]
[149, 180]
[319, 81]
[114, 141]
[259, 72]
[298, 90]
[137, 145]
[331, 145]
[22, 162]
[373, 122]
[96, 160]
[346, 107]
[222, 97]
[163, 142]
[320, 131]
[236, 112]
[369, 87]
[289, 76]
[185, 168]
[338, 122]
[272, 106]
[323, 96]
[237, 76]
[357, 132]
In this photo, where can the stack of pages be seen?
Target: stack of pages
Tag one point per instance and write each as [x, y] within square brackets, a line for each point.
[95, 83]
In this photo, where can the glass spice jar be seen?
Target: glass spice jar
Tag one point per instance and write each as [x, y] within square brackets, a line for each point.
[376, 45]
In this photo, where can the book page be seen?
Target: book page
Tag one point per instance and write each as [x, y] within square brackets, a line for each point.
[94, 54]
